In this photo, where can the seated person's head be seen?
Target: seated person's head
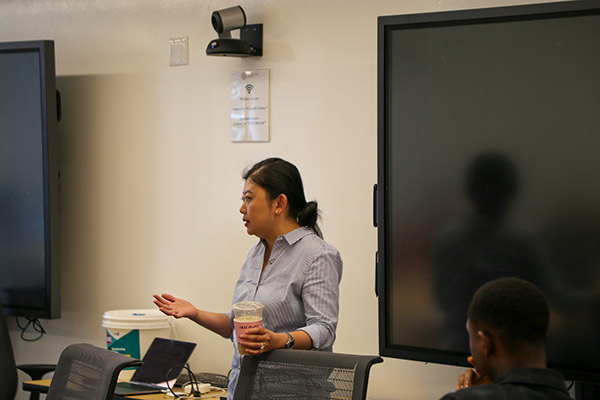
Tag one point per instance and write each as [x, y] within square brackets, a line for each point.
[507, 323]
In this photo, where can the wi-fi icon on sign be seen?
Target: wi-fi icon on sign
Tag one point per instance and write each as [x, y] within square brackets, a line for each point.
[249, 88]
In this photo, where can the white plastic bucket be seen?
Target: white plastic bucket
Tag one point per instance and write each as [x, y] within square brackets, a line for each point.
[130, 332]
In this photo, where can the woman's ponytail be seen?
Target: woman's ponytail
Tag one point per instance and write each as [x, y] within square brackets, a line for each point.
[308, 217]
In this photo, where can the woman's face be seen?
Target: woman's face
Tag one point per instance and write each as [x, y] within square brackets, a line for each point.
[258, 212]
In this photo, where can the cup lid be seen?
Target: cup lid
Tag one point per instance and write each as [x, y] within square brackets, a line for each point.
[248, 305]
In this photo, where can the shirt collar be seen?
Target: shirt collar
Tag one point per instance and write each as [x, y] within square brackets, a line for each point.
[537, 376]
[293, 236]
[297, 234]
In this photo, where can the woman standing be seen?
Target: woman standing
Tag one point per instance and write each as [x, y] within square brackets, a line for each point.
[291, 270]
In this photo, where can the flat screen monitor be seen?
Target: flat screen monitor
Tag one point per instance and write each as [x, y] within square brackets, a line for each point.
[29, 273]
[489, 166]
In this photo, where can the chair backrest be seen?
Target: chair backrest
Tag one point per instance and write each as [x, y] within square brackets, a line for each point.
[304, 374]
[8, 369]
[86, 372]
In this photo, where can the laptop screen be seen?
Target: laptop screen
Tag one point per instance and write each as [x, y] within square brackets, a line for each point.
[164, 356]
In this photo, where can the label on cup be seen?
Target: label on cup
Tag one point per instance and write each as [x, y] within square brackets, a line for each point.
[242, 324]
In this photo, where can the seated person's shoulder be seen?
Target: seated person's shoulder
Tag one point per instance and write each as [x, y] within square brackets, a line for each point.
[495, 391]
[490, 391]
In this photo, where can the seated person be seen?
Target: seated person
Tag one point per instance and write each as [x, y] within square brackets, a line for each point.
[507, 324]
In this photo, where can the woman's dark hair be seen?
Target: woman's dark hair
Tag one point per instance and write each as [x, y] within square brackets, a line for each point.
[277, 176]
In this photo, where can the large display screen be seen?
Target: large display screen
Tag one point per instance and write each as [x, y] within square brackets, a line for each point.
[28, 180]
[489, 166]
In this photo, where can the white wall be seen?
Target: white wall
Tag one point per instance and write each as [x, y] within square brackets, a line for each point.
[151, 182]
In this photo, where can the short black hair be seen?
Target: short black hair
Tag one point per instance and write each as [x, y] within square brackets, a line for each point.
[514, 308]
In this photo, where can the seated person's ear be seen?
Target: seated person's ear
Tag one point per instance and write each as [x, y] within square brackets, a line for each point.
[487, 342]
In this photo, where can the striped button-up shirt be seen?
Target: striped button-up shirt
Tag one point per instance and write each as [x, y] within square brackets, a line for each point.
[299, 288]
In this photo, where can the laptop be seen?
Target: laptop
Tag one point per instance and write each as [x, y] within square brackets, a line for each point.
[164, 356]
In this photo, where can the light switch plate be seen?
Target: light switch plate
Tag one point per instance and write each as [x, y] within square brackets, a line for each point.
[179, 51]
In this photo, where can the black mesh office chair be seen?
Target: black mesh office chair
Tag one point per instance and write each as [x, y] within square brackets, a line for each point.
[86, 372]
[304, 375]
[8, 367]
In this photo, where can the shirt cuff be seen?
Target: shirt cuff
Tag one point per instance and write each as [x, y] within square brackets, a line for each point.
[319, 337]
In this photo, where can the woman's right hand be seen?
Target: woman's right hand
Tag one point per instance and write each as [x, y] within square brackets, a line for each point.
[175, 307]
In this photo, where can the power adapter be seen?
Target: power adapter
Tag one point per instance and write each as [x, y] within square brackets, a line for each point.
[201, 389]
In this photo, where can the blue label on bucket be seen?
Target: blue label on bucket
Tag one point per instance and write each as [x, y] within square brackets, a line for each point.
[127, 344]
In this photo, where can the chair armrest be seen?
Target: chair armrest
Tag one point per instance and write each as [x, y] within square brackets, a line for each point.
[36, 371]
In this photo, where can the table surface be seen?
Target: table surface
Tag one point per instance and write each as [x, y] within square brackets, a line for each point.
[42, 385]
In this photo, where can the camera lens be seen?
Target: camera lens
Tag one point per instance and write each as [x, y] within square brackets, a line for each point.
[228, 19]
[217, 22]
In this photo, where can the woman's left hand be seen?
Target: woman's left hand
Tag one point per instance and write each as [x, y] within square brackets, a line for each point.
[261, 340]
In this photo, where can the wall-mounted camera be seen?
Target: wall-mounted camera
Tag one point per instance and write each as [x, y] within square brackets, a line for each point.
[230, 19]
